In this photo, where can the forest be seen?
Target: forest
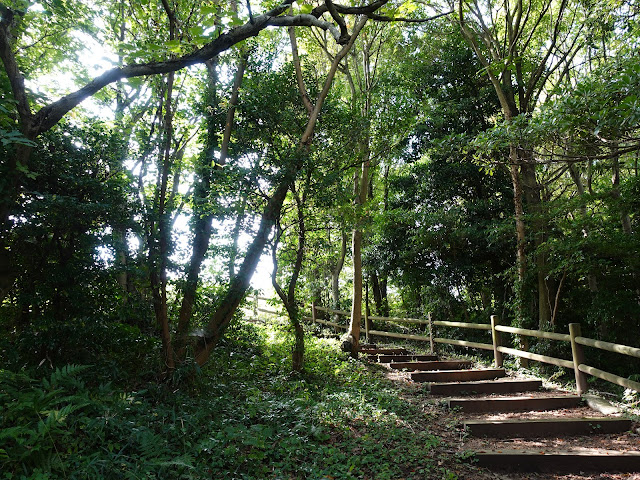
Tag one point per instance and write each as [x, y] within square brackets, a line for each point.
[463, 158]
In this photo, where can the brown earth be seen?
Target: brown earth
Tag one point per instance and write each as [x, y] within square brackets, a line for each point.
[454, 452]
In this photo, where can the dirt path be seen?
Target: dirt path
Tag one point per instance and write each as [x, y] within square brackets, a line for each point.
[453, 454]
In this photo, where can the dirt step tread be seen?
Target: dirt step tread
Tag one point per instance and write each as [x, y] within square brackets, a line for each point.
[385, 351]
[434, 365]
[571, 460]
[501, 385]
[513, 404]
[403, 358]
[458, 375]
[539, 427]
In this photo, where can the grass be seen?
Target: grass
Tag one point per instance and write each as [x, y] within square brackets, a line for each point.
[244, 417]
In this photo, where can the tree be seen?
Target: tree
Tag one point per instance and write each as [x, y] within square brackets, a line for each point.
[440, 237]
[199, 50]
[188, 29]
[523, 46]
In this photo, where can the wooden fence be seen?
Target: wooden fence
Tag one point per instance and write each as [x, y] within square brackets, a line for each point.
[497, 345]
[252, 312]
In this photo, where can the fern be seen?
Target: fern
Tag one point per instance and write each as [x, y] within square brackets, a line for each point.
[67, 376]
[35, 421]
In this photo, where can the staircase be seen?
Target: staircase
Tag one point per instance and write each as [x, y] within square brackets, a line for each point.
[549, 422]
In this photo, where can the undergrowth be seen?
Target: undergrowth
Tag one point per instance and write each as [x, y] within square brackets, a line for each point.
[245, 416]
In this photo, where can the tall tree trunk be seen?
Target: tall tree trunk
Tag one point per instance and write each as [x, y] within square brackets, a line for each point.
[351, 342]
[521, 238]
[625, 219]
[592, 280]
[289, 297]
[352, 339]
[240, 283]
[235, 236]
[121, 258]
[335, 273]
[228, 305]
[532, 189]
[377, 293]
[159, 235]
[203, 223]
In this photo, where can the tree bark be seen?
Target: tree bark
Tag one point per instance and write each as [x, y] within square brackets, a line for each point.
[539, 225]
[204, 217]
[592, 280]
[352, 338]
[288, 298]
[240, 283]
[335, 273]
[33, 125]
[224, 313]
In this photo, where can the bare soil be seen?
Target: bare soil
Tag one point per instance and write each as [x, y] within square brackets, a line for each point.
[455, 451]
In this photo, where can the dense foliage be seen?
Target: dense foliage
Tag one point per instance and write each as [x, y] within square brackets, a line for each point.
[459, 158]
[338, 420]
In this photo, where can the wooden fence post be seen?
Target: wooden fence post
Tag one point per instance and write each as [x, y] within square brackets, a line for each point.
[255, 304]
[431, 342]
[366, 323]
[524, 344]
[314, 315]
[495, 336]
[577, 353]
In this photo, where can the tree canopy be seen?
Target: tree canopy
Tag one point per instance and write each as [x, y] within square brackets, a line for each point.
[482, 156]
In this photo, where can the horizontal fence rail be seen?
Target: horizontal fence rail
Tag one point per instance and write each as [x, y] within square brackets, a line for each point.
[563, 337]
[536, 357]
[574, 337]
[473, 326]
[464, 343]
[610, 347]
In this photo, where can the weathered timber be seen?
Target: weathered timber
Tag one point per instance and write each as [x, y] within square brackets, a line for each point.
[437, 365]
[464, 343]
[514, 404]
[458, 375]
[537, 357]
[583, 460]
[562, 337]
[577, 355]
[404, 336]
[403, 358]
[546, 427]
[385, 351]
[472, 326]
[485, 387]
[611, 347]
[418, 321]
[610, 377]
[330, 324]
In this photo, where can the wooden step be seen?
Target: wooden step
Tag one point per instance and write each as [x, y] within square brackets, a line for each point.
[514, 404]
[546, 426]
[574, 461]
[458, 375]
[485, 386]
[369, 346]
[385, 351]
[437, 365]
[403, 358]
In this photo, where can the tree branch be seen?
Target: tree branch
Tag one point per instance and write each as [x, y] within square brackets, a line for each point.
[344, 33]
[384, 18]
[299, 78]
[363, 10]
[306, 20]
[15, 77]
